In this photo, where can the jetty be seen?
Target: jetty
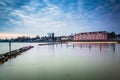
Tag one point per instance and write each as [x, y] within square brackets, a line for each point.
[14, 53]
[44, 44]
[49, 43]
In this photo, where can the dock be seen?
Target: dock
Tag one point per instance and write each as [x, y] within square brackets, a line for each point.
[4, 57]
[44, 44]
[50, 43]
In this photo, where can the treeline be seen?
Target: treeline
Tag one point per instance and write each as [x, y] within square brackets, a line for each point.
[111, 36]
[29, 39]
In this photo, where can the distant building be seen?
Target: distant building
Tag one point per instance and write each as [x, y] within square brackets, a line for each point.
[101, 35]
[51, 37]
[67, 38]
[64, 38]
[118, 36]
[58, 38]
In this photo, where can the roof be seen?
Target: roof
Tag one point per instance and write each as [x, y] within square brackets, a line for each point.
[92, 32]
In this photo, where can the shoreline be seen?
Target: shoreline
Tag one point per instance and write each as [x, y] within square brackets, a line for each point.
[78, 41]
[97, 41]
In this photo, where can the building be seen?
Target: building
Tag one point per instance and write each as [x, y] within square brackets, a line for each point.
[67, 38]
[118, 36]
[64, 38]
[100, 35]
[51, 37]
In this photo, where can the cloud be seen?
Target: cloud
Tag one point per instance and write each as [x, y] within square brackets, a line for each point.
[59, 16]
[48, 19]
[13, 35]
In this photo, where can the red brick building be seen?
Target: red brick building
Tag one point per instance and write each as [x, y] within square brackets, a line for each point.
[101, 35]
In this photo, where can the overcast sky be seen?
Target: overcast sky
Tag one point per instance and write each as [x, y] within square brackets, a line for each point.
[63, 17]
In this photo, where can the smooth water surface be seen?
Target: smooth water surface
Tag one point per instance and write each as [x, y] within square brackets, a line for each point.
[62, 62]
[4, 47]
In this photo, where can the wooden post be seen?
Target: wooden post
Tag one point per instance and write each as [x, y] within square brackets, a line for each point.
[10, 46]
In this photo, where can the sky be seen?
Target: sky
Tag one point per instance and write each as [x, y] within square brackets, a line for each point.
[63, 17]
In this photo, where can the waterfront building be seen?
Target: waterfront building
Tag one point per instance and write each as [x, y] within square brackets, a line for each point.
[67, 38]
[64, 38]
[118, 36]
[100, 35]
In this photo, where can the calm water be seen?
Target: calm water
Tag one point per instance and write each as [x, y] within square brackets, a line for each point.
[62, 62]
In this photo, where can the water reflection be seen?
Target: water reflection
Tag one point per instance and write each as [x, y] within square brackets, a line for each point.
[90, 46]
[52, 47]
[63, 62]
[113, 45]
[103, 48]
[61, 45]
[100, 47]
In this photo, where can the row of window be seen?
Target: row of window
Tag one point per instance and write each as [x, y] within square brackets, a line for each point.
[89, 37]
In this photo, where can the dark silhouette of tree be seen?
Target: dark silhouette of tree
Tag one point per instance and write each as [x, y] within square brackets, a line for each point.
[37, 37]
[112, 35]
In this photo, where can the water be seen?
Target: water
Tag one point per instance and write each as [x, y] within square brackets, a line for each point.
[4, 47]
[62, 62]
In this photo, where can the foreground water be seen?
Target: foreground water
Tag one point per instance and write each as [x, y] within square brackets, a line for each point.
[62, 62]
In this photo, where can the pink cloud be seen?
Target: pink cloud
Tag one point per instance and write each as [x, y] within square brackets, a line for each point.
[12, 35]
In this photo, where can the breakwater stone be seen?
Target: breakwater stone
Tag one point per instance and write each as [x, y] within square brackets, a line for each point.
[4, 57]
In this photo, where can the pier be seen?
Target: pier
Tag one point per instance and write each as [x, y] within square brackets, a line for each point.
[44, 44]
[14, 53]
[49, 43]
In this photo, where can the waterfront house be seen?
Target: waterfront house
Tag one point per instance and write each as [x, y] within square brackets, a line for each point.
[118, 36]
[64, 38]
[100, 35]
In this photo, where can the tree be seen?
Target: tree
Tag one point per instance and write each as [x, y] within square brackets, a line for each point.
[112, 35]
[37, 37]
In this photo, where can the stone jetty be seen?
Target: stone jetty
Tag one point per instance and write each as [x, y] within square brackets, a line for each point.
[44, 44]
[14, 53]
[49, 43]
